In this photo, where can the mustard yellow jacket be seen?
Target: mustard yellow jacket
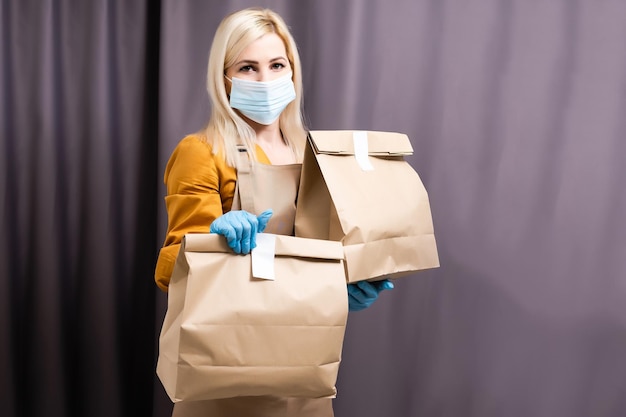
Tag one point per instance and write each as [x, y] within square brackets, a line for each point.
[200, 188]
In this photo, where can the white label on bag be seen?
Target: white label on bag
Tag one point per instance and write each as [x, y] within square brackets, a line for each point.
[361, 151]
[263, 256]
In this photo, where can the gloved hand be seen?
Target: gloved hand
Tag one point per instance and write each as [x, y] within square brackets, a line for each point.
[240, 228]
[363, 293]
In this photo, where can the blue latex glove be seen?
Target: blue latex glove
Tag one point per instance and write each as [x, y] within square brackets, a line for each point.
[240, 228]
[363, 293]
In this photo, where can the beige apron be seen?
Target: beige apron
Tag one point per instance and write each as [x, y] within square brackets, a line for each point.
[260, 187]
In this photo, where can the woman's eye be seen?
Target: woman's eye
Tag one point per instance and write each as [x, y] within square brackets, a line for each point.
[278, 65]
[246, 68]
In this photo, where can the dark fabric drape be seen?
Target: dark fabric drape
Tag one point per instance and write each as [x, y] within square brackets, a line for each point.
[515, 110]
[78, 218]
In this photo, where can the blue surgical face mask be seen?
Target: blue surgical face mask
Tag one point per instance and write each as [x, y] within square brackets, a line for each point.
[262, 101]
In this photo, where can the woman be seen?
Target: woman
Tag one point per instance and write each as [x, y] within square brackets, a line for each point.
[254, 82]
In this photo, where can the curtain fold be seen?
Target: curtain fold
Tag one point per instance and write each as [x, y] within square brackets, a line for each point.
[78, 207]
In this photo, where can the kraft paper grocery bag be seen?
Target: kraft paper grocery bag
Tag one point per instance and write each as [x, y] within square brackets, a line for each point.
[229, 334]
[357, 188]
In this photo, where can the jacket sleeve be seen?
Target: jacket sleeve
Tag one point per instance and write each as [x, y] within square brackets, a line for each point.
[198, 185]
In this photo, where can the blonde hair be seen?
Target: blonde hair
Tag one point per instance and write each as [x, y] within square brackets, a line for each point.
[226, 128]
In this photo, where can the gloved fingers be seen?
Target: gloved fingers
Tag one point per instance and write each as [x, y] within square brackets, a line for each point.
[244, 238]
[354, 304]
[258, 224]
[362, 293]
[215, 226]
[249, 226]
[238, 227]
[224, 228]
[359, 299]
[355, 293]
[232, 235]
[369, 290]
[263, 218]
[384, 284]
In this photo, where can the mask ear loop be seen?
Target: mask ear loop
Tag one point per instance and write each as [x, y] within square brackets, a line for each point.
[226, 89]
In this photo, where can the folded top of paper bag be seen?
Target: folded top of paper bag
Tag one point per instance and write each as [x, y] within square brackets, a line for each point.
[378, 143]
[285, 246]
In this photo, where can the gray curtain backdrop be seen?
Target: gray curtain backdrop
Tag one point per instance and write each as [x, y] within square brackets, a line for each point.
[515, 109]
[78, 196]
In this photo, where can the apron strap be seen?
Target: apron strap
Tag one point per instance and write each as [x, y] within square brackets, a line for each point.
[243, 187]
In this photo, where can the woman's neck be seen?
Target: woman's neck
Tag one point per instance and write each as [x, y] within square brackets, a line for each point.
[268, 134]
[270, 139]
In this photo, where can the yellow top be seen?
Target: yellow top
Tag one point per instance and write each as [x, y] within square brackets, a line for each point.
[200, 188]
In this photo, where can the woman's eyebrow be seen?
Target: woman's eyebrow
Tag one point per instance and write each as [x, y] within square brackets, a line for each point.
[253, 62]
[246, 61]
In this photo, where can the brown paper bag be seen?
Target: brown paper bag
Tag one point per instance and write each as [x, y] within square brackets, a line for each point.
[227, 334]
[357, 188]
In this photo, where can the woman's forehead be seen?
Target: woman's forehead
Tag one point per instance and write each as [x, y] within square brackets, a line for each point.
[266, 48]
